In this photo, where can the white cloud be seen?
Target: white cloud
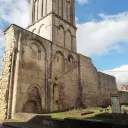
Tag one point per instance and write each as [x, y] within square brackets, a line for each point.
[119, 17]
[82, 1]
[96, 38]
[121, 74]
[12, 11]
[1, 43]
[15, 11]
[100, 37]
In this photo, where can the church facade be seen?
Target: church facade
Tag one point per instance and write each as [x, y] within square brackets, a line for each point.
[42, 71]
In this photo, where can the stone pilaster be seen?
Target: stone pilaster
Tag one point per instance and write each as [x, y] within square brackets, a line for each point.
[6, 72]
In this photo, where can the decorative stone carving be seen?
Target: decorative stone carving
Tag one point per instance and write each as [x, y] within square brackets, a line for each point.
[33, 104]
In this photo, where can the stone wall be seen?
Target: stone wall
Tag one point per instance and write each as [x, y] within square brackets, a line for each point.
[65, 10]
[36, 63]
[32, 73]
[96, 86]
[7, 73]
[65, 87]
[89, 82]
[64, 34]
[42, 27]
[25, 70]
[123, 97]
[58, 31]
[40, 77]
[65, 75]
[107, 86]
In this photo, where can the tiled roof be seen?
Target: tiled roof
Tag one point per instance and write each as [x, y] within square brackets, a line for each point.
[125, 86]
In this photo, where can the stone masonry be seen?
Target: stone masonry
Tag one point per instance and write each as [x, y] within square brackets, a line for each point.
[42, 71]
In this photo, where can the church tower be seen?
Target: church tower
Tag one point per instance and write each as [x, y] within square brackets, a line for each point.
[55, 21]
[41, 70]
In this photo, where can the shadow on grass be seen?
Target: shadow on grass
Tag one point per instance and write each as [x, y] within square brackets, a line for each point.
[35, 122]
[48, 122]
[108, 117]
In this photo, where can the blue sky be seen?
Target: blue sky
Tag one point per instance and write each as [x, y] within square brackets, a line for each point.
[89, 12]
[94, 7]
[102, 31]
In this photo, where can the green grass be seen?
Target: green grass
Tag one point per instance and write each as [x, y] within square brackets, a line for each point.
[62, 115]
[76, 113]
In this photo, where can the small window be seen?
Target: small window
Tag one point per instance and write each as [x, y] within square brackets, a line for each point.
[57, 102]
[69, 2]
[55, 78]
[70, 59]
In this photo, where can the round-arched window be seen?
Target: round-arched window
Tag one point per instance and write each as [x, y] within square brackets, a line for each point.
[71, 59]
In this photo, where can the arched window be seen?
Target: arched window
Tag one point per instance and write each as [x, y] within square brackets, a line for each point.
[59, 62]
[34, 31]
[34, 51]
[33, 104]
[30, 107]
[68, 40]
[61, 36]
[33, 93]
[42, 31]
[71, 59]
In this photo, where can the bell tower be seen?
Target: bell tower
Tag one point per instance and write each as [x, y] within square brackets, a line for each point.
[55, 21]
[65, 9]
[39, 9]
[64, 29]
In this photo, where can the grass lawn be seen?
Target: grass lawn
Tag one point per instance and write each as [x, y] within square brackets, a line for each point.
[76, 113]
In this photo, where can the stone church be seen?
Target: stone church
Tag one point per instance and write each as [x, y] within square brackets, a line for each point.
[42, 71]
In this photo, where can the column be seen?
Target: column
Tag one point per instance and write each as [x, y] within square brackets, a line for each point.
[60, 8]
[73, 7]
[71, 13]
[56, 6]
[31, 11]
[69, 10]
[36, 10]
[44, 7]
[40, 8]
[64, 9]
